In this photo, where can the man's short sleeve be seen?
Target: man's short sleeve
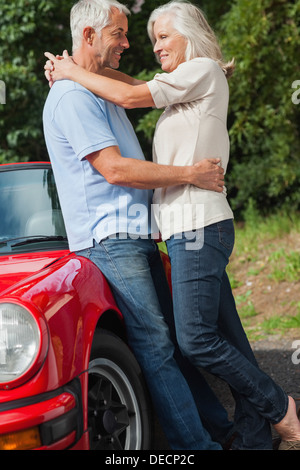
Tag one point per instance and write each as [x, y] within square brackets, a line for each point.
[81, 118]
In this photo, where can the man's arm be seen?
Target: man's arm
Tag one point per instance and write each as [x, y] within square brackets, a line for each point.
[206, 174]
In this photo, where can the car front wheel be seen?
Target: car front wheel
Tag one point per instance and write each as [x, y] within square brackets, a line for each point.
[118, 403]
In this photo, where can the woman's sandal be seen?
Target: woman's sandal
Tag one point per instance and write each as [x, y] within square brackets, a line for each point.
[291, 445]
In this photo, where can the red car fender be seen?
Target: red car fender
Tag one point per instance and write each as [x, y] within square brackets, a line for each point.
[72, 295]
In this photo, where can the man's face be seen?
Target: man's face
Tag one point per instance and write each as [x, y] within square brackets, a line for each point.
[113, 41]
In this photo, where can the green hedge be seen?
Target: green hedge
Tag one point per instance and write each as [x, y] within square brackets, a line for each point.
[264, 121]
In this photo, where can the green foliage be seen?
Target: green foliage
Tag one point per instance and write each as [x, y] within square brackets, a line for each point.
[257, 230]
[27, 29]
[140, 55]
[285, 265]
[265, 267]
[264, 38]
[278, 323]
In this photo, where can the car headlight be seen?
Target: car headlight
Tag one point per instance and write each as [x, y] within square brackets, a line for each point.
[20, 342]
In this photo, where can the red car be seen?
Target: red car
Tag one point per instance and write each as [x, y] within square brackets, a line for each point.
[67, 377]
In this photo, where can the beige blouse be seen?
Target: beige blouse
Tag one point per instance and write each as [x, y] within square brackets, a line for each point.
[192, 127]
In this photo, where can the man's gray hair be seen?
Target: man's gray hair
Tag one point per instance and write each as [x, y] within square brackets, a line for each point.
[93, 13]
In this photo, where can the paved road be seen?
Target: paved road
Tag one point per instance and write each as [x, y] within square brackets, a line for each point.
[279, 358]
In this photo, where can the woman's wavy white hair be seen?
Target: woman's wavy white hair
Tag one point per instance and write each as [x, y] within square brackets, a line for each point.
[191, 23]
[93, 13]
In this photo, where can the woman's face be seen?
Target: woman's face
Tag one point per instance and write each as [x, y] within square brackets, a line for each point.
[169, 45]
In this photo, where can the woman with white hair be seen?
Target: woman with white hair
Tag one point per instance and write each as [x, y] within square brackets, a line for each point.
[197, 224]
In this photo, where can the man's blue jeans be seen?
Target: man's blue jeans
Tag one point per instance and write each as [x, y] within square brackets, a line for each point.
[134, 271]
[210, 334]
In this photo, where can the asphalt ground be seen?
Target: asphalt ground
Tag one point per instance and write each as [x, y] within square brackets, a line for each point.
[278, 357]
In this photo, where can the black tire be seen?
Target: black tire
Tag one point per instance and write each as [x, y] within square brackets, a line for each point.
[118, 402]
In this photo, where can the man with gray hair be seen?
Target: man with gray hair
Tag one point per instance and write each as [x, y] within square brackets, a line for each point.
[105, 189]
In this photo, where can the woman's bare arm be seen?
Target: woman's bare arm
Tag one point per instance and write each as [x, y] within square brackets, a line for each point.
[121, 76]
[128, 93]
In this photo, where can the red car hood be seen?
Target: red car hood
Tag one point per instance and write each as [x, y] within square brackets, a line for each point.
[15, 268]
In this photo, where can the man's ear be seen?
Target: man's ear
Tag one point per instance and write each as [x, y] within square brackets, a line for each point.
[88, 34]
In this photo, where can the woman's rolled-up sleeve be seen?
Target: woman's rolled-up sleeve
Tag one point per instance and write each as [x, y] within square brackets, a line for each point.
[192, 80]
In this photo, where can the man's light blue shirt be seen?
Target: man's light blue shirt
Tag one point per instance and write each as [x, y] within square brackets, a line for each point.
[76, 124]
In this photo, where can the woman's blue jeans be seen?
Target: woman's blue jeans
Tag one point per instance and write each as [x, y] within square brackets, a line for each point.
[135, 273]
[210, 334]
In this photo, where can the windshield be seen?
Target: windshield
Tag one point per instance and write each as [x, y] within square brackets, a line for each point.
[30, 213]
